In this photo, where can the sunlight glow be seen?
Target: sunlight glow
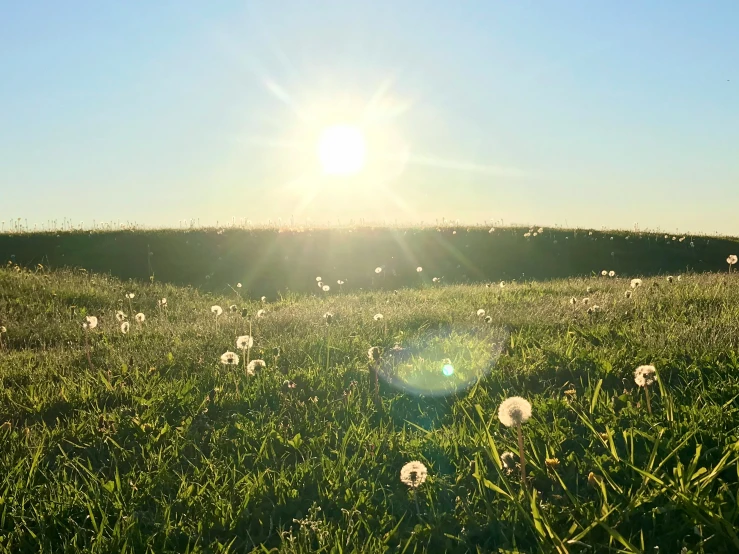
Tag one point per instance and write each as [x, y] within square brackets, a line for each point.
[342, 150]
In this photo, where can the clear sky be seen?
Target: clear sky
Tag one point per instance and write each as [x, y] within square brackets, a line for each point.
[580, 113]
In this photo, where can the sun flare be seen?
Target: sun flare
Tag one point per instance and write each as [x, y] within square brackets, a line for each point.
[342, 150]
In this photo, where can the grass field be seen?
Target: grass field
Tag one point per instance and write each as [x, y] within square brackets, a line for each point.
[146, 442]
[269, 260]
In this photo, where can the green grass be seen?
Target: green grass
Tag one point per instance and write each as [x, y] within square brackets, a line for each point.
[158, 447]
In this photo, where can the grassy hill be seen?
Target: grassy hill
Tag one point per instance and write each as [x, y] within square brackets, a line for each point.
[146, 442]
[268, 261]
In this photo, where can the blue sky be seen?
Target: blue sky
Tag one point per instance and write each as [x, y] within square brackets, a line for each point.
[579, 113]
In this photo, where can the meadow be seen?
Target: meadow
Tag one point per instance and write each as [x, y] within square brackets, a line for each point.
[147, 441]
[272, 260]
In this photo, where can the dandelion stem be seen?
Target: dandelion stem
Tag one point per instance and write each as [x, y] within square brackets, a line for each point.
[415, 497]
[328, 346]
[649, 404]
[248, 349]
[87, 350]
[521, 455]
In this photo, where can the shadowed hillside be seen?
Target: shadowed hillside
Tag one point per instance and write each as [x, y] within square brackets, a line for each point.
[270, 260]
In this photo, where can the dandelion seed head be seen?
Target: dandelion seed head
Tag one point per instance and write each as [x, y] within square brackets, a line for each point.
[611, 273]
[670, 278]
[419, 269]
[731, 260]
[3, 329]
[636, 283]
[645, 375]
[264, 298]
[318, 279]
[502, 284]
[586, 301]
[162, 302]
[238, 285]
[216, 310]
[229, 358]
[233, 308]
[125, 326]
[488, 319]
[244, 341]
[480, 312]
[573, 300]
[378, 270]
[255, 365]
[508, 459]
[130, 295]
[140, 318]
[261, 313]
[329, 317]
[325, 288]
[627, 294]
[374, 354]
[514, 411]
[413, 474]
[90, 322]
[604, 273]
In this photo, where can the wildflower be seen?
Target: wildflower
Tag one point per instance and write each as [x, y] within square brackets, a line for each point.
[125, 326]
[488, 319]
[90, 322]
[480, 312]
[374, 354]
[244, 341]
[261, 313]
[636, 283]
[233, 308]
[419, 269]
[162, 303]
[645, 375]
[328, 316]
[140, 318]
[130, 295]
[627, 294]
[378, 270]
[230, 358]
[254, 365]
[586, 301]
[670, 278]
[573, 300]
[216, 310]
[413, 474]
[326, 288]
[264, 298]
[238, 285]
[514, 411]
[508, 460]
[611, 273]
[378, 317]
[604, 273]
[552, 463]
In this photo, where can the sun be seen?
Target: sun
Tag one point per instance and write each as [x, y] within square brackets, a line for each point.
[342, 150]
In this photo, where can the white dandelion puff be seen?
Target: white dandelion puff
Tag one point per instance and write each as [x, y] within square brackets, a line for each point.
[670, 278]
[244, 341]
[264, 298]
[514, 411]
[413, 474]
[378, 317]
[130, 295]
[480, 312]
[645, 375]
[3, 329]
[216, 310]
[254, 365]
[339, 282]
[502, 284]
[162, 303]
[604, 273]
[261, 313]
[508, 459]
[90, 322]
[636, 283]
[140, 318]
[120, 316]
[230, 358]
[627, 294]
[318, 279]
[325, 288]
[611, 273]
[378, 270]
[589, 290]
[125, 326]
[233, 308]
[238, 285]
[419, 269]
[731, 260]
[586, 301]
[573, 300]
